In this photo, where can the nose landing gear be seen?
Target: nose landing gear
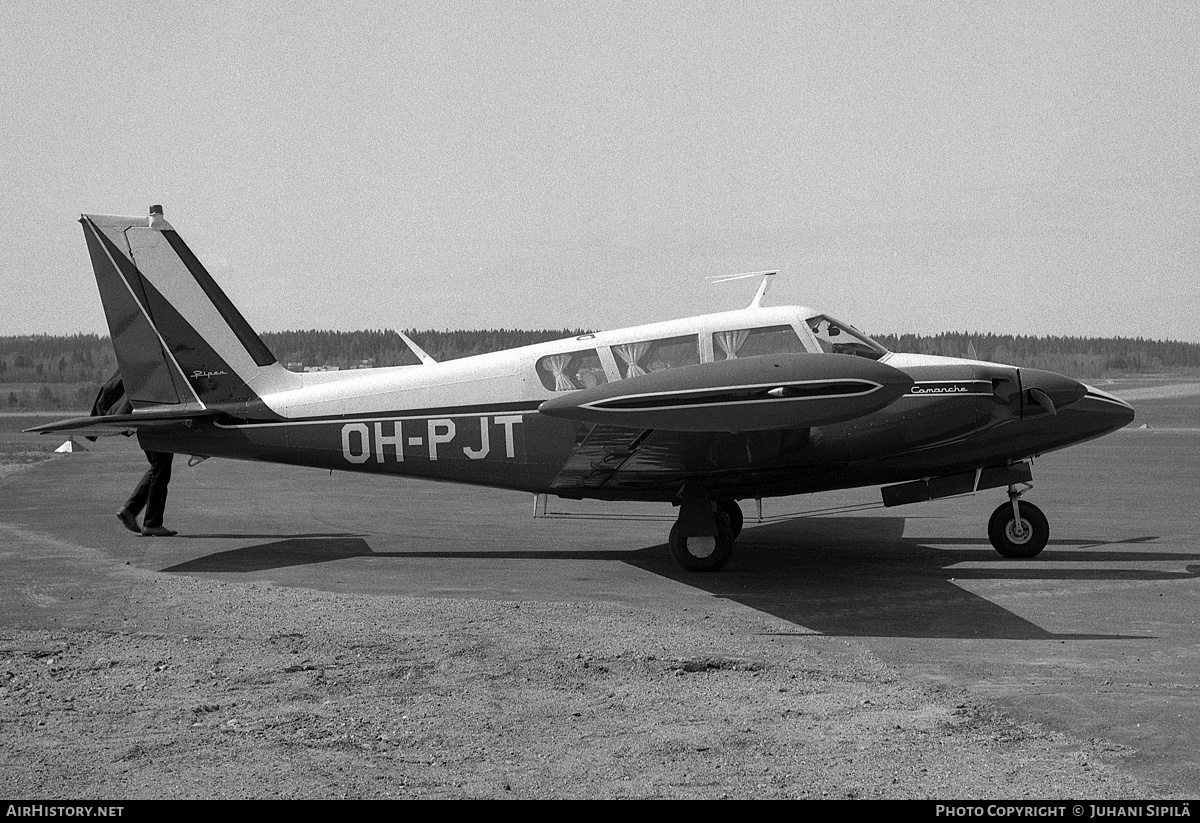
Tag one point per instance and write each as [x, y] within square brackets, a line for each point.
[1018, 529]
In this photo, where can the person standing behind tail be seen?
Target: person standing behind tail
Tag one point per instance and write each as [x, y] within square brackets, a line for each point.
[151, 491]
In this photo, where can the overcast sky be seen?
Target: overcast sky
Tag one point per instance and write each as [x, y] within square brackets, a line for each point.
[1027, 168]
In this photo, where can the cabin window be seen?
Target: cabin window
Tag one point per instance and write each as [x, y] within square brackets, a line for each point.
[571, 370]
[730, 345]
[646, 356]
[835, 337]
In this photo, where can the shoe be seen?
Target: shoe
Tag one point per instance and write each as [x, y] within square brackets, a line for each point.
[157, 531]
[129, 521]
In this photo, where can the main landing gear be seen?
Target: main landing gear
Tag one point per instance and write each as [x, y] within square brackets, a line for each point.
[1018, 529]
[702, 538]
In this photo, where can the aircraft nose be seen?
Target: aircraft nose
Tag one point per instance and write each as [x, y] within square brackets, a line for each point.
[1110, 406]
[1049, 390]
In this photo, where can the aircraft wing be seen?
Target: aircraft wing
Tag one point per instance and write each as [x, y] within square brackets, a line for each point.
[101, 425]
[764, 393]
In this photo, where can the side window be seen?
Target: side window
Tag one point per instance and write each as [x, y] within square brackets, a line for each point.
[571, 370]
[646, 356]
[730, 345]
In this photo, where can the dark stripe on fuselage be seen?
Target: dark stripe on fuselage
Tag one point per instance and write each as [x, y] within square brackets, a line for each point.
[524, 407]
[517, 407]
[531, 407]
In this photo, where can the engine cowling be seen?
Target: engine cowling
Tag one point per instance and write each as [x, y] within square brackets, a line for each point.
[778, 391]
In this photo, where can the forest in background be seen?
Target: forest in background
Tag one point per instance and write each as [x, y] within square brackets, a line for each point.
[46, 372]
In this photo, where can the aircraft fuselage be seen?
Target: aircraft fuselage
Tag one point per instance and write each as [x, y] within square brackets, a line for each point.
[957, 416]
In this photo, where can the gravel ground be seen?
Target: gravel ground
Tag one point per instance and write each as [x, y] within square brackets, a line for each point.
[193, 688]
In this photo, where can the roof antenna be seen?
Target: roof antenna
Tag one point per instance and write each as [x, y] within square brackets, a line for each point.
[756, 303]
[422, 355]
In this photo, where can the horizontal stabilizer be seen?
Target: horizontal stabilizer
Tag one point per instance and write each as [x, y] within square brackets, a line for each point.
[99, 426]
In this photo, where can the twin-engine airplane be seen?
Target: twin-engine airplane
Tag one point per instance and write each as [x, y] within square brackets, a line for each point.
[700, 412]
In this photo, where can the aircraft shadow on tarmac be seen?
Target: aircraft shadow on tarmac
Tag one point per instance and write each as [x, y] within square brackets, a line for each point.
[834, 575]
[861, 577]
[292, 550]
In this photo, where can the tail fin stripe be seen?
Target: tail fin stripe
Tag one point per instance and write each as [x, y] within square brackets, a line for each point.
[209, 376]
[254, 345]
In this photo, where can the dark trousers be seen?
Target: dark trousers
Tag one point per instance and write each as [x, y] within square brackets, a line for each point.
[151, 492]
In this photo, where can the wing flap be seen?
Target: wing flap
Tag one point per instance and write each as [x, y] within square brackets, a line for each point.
[599, 457]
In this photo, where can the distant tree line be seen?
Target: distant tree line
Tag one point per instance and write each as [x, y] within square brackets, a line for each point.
[44, 358]
[64, 372]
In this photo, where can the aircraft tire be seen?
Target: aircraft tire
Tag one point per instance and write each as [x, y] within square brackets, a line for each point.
[703, 558]
[1037, 531]
[731, 508]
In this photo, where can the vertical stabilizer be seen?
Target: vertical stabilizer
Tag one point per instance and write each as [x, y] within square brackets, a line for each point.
[178, 338]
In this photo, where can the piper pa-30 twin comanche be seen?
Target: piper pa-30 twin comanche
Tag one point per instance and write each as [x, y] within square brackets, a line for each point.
[701, 412]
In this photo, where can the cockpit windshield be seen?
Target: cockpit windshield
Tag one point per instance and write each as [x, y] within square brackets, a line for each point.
[836, 337]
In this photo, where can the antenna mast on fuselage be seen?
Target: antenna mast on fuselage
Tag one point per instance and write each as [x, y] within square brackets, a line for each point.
[756, 303]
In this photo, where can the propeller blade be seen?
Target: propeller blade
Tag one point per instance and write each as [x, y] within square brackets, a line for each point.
[1042, 399]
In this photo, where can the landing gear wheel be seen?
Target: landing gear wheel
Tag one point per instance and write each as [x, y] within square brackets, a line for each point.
[731, 508]
[703, 554]
[1019, 539]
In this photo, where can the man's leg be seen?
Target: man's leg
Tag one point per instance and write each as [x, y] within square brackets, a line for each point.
[156, 499]
[137, 501]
